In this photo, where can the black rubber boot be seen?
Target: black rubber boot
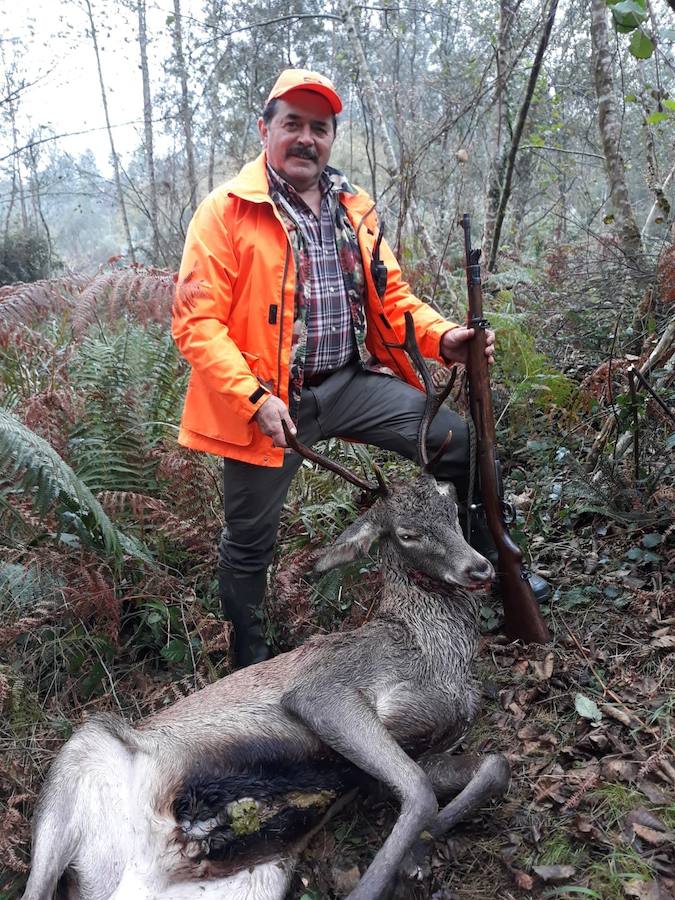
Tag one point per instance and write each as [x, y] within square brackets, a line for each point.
[241, 598]
[481, 540]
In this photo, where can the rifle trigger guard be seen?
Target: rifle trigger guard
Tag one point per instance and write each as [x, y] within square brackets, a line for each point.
[479, 322]
[508, 512]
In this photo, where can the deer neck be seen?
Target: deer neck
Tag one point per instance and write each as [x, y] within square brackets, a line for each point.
[442, 619]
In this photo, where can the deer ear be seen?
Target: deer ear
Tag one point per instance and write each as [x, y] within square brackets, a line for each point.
[355, 541]
[447, 489]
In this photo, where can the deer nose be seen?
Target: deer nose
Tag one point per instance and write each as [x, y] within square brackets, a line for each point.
[480, 570]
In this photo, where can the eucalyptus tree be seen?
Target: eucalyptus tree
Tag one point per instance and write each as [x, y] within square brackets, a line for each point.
[93, 34]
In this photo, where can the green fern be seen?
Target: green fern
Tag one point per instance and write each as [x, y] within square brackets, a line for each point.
[131, 383]
[24, 587]
[37, 470]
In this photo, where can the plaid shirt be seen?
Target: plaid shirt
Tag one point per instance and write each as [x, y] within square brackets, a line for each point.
[329, 341]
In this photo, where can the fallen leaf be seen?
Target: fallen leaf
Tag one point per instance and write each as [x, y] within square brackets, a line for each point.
[522, 879]
[587, 708]
[651, 835]
[643, 816]
[345, 880]
[643, 890]
[518, 713]
[528, 732]
[554, 873]
[666, 642]
[544, 669]
[615, 712]
[619, 770]
[653, 793]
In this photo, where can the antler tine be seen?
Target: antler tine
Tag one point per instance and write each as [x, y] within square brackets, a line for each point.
[433, 400]
[343, 471]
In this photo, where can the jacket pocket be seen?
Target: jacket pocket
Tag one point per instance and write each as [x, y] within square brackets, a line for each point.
[208, 413]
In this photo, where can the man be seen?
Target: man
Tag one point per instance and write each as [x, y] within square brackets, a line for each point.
[281, 320]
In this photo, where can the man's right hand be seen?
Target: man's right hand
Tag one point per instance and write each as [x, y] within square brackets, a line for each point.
[269, 417]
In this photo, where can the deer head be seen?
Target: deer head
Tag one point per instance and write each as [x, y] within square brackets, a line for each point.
[417, 520]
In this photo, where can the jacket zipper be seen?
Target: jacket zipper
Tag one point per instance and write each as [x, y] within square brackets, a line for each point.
[281, 323]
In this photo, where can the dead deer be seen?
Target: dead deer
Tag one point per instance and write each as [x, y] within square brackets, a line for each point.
[212, 797]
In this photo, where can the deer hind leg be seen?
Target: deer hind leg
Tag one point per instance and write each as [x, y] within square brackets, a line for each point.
[473, 779]
[345, 722]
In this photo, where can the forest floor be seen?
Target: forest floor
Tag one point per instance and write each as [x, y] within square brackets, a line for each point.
[586, 721]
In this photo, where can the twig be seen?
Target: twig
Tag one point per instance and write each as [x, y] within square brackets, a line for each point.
[633, 372]
[643, 725]
[636, 422]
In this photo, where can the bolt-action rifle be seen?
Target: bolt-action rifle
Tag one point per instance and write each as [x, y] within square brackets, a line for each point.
[522, 617]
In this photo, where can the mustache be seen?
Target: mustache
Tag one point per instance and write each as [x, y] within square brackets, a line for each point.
[303, 152]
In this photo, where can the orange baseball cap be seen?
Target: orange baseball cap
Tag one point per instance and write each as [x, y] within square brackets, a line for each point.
[303, 79]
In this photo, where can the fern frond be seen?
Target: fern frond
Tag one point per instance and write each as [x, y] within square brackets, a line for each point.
[22, 303]
[140, 295]
[32, 464]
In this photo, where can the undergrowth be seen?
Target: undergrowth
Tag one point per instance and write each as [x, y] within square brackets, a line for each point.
[108, 599]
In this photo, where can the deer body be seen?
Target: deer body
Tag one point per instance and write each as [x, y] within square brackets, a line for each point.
[230, 778]
[214, 796]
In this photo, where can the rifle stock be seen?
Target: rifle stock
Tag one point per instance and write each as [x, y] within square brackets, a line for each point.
[522, 616]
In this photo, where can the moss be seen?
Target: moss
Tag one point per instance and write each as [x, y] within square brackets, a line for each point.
[244, 816]
[303, 799]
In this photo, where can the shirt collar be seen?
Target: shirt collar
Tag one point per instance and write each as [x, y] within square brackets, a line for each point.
[332, 180]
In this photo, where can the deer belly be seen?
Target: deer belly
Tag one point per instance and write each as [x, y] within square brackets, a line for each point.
[230, 820]
[423, 720]
[267, 881]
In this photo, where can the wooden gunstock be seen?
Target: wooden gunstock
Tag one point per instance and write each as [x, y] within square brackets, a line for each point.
[522, 616]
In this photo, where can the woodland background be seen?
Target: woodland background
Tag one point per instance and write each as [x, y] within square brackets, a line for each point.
[552, 125]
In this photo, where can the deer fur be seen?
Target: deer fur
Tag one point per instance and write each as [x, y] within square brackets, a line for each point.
[171, 809]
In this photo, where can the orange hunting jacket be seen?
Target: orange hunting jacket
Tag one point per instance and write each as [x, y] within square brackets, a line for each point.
[234, 311]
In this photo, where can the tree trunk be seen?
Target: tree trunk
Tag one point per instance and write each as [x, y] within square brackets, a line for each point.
[115, 159]
[625, 225]
[518, 132]
[185, 111]
[147, 128]
[501, 136]
[371, 94]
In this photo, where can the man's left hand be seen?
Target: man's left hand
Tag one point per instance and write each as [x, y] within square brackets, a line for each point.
[454, 344]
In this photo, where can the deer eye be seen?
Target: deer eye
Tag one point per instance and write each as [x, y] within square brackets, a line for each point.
[408, 536]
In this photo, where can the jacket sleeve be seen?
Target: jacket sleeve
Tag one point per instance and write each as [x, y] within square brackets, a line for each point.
[398, 299]
[201, 311]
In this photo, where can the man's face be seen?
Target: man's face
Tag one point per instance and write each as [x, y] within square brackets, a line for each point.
[299, 138]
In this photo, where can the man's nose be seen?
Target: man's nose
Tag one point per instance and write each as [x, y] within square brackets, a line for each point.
[305, 135]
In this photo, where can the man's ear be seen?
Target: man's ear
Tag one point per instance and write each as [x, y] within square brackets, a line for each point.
[353, 543]
[262, 129]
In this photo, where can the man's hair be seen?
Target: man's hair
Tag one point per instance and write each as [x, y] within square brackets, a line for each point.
[271, 108]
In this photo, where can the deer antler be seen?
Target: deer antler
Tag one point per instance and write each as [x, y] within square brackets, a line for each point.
[434, 398]
[342, 471]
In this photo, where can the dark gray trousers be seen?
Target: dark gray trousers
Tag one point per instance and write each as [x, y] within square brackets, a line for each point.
[354, 404]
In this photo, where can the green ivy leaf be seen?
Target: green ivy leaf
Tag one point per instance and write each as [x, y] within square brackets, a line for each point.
[175, 650]
[652, 540]
[630, 98]
[587, 708]
[656, 117]
[630, 13]
[641, 46]
[669, 104]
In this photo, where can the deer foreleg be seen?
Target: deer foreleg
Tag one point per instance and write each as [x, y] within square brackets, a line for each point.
[345, 722]
[475, 780]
